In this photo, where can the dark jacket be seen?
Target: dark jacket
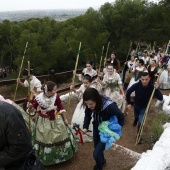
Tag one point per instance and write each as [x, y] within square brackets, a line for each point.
[103, 115]
[15, 142]
[142, 94]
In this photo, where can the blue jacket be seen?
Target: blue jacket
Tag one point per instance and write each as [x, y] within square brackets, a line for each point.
[109, 108]
[142, 94]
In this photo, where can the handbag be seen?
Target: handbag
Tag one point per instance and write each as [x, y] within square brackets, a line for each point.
[31, 162]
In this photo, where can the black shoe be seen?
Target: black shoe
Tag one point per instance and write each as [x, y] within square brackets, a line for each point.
[100, 168]
[97, 168]
[140, 141]
[135, 122]
[104, 163]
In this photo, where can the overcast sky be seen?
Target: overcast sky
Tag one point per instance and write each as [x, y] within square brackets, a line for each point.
[13, 5]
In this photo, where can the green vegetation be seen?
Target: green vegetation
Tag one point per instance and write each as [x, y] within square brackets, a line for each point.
[156, 128]
[53, 44]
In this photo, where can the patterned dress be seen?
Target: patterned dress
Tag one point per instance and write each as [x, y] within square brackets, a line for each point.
[53, 140]
[112, 89]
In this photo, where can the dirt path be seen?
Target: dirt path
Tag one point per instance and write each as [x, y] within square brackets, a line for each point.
[117, 157]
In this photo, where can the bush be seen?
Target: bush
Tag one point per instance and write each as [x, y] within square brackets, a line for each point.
[156, 128]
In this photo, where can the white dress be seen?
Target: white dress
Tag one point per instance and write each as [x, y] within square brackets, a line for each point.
[79, 113]
[85, 71]
[146, 60]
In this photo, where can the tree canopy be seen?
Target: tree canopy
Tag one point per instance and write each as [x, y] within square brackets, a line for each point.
[53, 44]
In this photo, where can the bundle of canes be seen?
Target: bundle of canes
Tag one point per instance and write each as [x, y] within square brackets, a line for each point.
[29, 95]
[74, 75]
[20, 70]
[106, 53]
[145, 114]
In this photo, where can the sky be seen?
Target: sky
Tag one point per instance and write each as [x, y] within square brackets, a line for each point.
[15, 5]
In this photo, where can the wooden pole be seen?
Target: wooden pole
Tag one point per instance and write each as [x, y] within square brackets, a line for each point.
[101, 59]
[20, 70]
[167, 48]
[29, 95]
[74, 75]
[106, 53]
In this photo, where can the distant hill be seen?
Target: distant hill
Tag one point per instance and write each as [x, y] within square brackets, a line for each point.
[58, 15]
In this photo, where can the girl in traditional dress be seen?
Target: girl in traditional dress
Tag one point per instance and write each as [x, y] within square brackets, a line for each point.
[130, 67]
[137, 72]
[78, 116]
[54, 142]
[113, 87]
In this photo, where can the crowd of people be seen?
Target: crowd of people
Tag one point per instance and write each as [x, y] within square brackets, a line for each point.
[104, 98]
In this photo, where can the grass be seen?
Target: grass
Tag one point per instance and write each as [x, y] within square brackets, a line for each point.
[156, 128]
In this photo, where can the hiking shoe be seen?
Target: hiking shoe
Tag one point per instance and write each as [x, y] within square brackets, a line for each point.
[135, 122]
[97, 168]
[100, 168]
[104, 163]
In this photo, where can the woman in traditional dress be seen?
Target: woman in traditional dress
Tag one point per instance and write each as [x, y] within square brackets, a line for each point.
[137, 72]
[145, 58]
[152, 70]
[130, 67]
[115, 62]
[88, 71]
[53, 142]
[113, 87]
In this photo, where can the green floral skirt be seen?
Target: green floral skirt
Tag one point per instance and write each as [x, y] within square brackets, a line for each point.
[52, 150]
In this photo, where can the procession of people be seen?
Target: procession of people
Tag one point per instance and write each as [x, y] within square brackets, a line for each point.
[103, 100]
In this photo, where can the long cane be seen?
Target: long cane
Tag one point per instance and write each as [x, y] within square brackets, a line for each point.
[29, 94]
[167, 48]
[101, 59]
[124, 71]
[74, 75]
[20, 70]
[128, 53]
[145, 115]
[154, 44]
[106, 53]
